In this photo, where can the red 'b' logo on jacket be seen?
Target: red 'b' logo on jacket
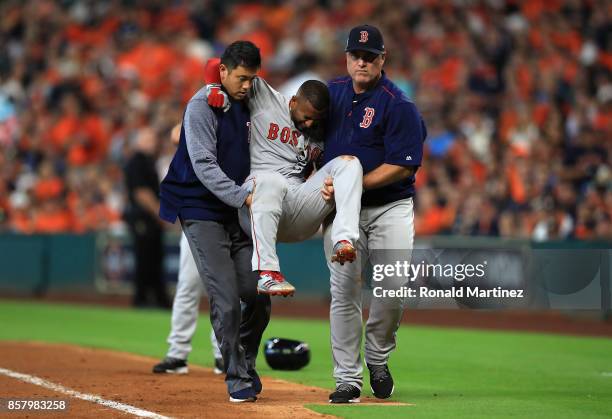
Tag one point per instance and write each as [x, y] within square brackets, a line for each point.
[367, 117]
[364, 37]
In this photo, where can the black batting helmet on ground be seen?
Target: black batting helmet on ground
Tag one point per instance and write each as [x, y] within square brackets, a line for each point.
[286, 354]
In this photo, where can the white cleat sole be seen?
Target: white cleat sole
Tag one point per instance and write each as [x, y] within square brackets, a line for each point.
[232, 400]
[178, 371]
[357, 400]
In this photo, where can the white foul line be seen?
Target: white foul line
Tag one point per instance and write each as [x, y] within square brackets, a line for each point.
[89, 397]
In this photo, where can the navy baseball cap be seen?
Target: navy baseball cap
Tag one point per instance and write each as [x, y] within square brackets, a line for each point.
[365, 38]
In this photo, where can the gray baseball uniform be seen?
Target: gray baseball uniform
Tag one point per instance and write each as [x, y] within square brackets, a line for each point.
[382, 228]
[381, 126]
[286, 207]
[189, 290]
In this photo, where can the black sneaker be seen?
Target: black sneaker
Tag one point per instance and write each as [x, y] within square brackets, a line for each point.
[170, 365]
[257, 386]
[381, 381]
[219, 366]
[244, 395]
[345, 393]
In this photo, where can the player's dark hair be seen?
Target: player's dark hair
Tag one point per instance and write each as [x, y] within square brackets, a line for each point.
[316, 93]
[241, 53]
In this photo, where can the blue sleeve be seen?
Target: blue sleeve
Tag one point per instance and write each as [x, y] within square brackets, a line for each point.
[404, 136]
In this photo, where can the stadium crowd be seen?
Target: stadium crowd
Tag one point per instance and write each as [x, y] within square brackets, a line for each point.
[517, 96]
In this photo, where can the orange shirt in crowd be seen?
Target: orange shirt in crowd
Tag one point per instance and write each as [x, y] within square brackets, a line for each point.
[98, 217]
[21, 222]
[605, 59]
[85, 139]
[152, 63]
[540, 113]
[192, 70]
[524, 79]
[603, 121]
[570, 41]
[63, 130]
[533, 9]
[57, 220]
[507, 122]
[48, 188]
[435, 220]
[582, 232]
[95, 145]
[174, 19]
[449, 74]
[516, 184]
[94, 36]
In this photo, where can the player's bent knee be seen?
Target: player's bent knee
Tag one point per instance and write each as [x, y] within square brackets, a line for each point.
[349, 160]
[352, 163]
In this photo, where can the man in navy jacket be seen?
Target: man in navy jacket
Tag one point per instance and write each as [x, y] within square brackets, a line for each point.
[370, 118]
[202, 189]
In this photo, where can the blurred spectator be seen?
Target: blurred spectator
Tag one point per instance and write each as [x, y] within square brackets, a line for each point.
[145, 226]
[517, 95]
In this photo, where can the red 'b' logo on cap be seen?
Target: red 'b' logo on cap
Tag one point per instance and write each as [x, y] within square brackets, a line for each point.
[364, 36]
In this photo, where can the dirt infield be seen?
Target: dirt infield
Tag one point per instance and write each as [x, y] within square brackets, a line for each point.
[126, 379]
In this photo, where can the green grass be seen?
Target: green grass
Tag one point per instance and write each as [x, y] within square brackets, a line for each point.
[443, 372]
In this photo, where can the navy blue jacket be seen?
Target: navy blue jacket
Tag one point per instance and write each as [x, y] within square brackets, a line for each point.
[378, 126]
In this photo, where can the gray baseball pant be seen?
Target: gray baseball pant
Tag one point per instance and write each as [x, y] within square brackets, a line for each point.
[381, 229]
[185, 307]
[290, 212]
[222, 252]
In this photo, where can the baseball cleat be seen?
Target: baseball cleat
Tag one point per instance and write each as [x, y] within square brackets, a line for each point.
[344, 251]
[273, 283]
[381, 381]
[242, 396]
[345, 393]
[170, 365]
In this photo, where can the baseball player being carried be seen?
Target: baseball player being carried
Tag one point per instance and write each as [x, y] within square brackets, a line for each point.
[285, 143]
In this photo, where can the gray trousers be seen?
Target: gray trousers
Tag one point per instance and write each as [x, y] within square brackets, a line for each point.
[291, 212]
[185, 308]
[385, 233]
[222, 253]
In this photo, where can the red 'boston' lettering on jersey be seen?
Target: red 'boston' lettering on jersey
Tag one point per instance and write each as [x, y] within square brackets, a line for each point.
[285, 135]
[294, 138]
[273, 131]
[367, 117]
